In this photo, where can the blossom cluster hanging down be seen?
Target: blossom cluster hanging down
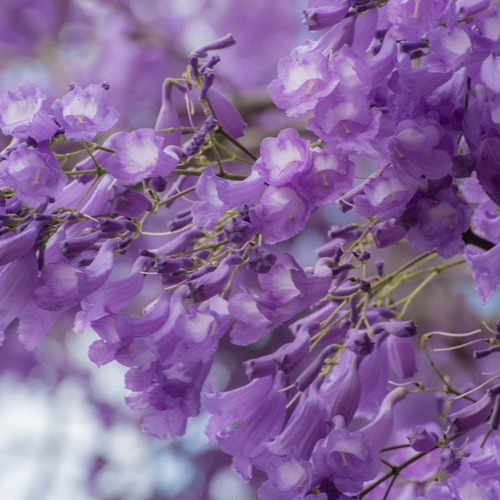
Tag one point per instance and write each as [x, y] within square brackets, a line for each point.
[402, 105]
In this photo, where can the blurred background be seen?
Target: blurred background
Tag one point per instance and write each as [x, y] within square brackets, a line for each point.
[65, 429]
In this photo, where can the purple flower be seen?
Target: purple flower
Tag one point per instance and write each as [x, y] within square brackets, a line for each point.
[450, 460]
[33, 173]
[139, 155]
[401, 356]
[22, 114]
[471, 416]
[251, 323]
[288, 288]
[280, 214]
[307, 425]
[245, 418]
[347, 395]
[283, 158]
[359, 342]
[196, 142]
[488, 168]
[227, 115]
[210, 284]
[83, 112]
[15, 245]
[379, 430]
[422, 440]
[19, 278]
[289, 478]
[260, 260]
[128, 202]
[322, 17]
[301, 83]
[401, 329]
[490, 73]
[344, 118]
[286, 358]
[437, 220]
[414, 19]
[346, 458]
[387, 233]
[421, 150]
[384, 196]
[168, 117]
[485, 268]
[332, 173]
[218, 195]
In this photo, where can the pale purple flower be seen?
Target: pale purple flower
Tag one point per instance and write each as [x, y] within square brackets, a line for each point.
[379, 430]
[168, 117]
[450, 460]
[217, 196]
[250, 322]
[22, 114]
[331, 174]
[259, 411]
[437, 219]
[344, 118]
[421, 150]
[289, 478]
[139, 155]
[286, 358]
[490, 73]
[384, 196]
[307, 425]
[301, 83]
[488, 168]
[280, 214]
[347, 393]
[283, 158]
[485, 270]
[14, 245]
[19, 278]
[414, 19]
[83, 112]
[33, 173]
[346, 458]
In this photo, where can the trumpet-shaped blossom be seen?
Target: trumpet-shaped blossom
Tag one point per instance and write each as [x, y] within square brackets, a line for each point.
[139, 155]
[83, 112]
[33, 173]
[22, 114]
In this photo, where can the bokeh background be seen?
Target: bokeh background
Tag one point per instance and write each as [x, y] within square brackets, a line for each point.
[65, 429]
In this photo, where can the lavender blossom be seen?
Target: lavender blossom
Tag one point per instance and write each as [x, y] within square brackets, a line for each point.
[139, 155]
[83, 112]
[22, 114]
[33, 173]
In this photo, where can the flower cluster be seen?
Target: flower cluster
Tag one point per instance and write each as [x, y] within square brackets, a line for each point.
[183, 219]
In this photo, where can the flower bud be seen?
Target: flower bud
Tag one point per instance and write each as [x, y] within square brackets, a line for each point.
[397, 328]
[359, 342]
[286, 358]
[472, 415]
[306, 378]
[449, 461]
[212, 283]
[260, 260]
[422, 440]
